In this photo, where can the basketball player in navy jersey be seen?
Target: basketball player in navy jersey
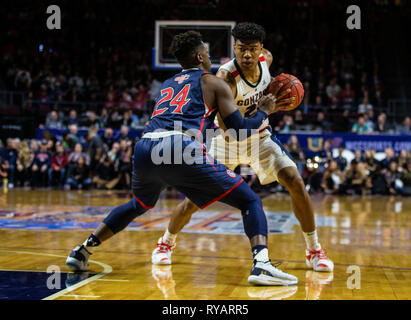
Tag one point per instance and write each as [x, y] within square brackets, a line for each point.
[189, 101]
[248, 76]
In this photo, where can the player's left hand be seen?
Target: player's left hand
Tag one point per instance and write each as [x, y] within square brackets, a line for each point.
[283, 104]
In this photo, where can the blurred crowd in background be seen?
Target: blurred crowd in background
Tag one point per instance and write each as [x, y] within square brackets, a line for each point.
[98, 75]
[104, 162]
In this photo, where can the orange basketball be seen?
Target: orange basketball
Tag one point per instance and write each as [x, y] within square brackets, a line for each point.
[289, 82]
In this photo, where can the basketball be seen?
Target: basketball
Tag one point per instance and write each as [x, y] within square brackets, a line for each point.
[289, 82]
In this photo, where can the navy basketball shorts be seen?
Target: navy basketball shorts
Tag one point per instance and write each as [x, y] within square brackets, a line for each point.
[183, 163]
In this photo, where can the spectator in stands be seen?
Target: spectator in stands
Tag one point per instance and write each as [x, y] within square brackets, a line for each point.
[73, 157]
[365, 106]
[104, 117]
[333, 89]
[293, 147]
[126, 151]
[110, 102]
[76, 82]
[340, 160]
[389, 157]
[341, 122]
[326, 153]
[370, 162]
[124, 134]
[332, 178]
[298, 120]
[348, 96]
[40, 166]
[127, 121]
[108, 138]
[78, 177]
[73, 137]
[354, 179]
[95, 148]
[405, 127]
[59, 163]
[93, 121]
[9, 158]
[23, 164]
[406, 179]
[72, 118]
[53, 121]
[359, 156]
[115, 120]
[125, 101]
[382, 125]
[108, 173]
[321, 123]
[376, 181]
[393, 177]
[319, 105]
[360, 126]
[403, 159]
[368, 122]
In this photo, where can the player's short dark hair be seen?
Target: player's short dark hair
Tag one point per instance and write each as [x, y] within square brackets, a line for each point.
[184, 45]
[247, 31]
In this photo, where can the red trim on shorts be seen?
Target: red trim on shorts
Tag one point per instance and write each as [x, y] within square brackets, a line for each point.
[261, 130]
[262, 58]
[141, 203]
[205, 153]
[201, 127]
[223, 195]
[235, 73]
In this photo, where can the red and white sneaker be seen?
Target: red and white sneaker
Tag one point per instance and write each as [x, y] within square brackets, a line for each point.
[318, 261]
[162, 253]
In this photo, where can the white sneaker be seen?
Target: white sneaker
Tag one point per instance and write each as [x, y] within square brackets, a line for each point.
[162, 254]
[78, 258]
[318, 261]
[264, 273]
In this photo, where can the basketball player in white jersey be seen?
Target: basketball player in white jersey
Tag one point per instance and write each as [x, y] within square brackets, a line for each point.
[248, 76]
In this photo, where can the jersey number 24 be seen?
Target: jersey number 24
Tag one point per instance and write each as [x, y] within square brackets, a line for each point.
[179, 100]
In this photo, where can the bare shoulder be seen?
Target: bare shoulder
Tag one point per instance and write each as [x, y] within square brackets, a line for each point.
[268, 56]
[229, 79]
[226, 76]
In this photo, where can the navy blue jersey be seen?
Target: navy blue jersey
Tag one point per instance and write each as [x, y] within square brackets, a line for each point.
[181, 106]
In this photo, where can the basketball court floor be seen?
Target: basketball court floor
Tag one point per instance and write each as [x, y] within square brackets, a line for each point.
[368, 238]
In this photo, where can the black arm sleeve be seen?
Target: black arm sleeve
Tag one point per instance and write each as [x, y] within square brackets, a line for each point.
[237, 122]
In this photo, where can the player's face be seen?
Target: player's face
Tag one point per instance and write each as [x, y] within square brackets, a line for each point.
[247, 53]
[206, 62]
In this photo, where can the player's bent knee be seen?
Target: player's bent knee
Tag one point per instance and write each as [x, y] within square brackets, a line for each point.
[189, 208]
[291, 179]
[121, 216]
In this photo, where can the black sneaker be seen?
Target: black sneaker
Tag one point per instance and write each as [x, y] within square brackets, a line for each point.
[78, 258]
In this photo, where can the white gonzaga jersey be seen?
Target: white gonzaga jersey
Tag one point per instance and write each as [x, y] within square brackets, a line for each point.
[248, 94]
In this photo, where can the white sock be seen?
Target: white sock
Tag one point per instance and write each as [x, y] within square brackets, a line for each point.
[311, 240]
[170, 238]
[262, 255]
